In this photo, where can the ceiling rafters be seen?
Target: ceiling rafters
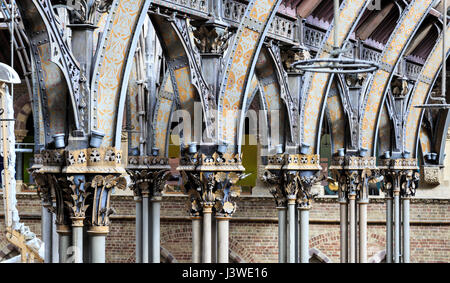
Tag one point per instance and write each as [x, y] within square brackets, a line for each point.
[372, 23]
[306, 7]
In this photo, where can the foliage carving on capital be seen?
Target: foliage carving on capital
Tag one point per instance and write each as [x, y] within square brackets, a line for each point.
[86, 12]
[101, 189]
[77, 195]
[289, 57]
[209, 40]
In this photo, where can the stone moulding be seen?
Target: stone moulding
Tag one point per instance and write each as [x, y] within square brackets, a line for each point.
[89, 160]
[353, 163]
[148, 162]
[294, 162]
[215, 162]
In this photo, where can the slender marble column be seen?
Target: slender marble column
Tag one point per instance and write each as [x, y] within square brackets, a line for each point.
[77, 238]
[222, 239]
[363, 230]
[291, 207]
[343, 229]
[138, 201]
[145, 228]
[304, 234]
[389, 243]
[406, 239]
[214, 239]
[55, 241]
[156, 235]
[396, 226]
[297, 235]
[206, 249]
[281, 234]
[97, 243]
[352, 216]
[47, 232]
[196, 239]
[64, 233]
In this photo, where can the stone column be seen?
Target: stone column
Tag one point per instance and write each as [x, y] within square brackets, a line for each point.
[343, 225]
[149, 174]
[214, 239]
[47, 231]
[304, 234]
[206, 247]
[396, 225]
[222, 239]
[352, 217]
[64, 233]
[97, 243]
[196, 239]
[55, 241]
[282, 235]
[363, 230]
[145, 227]
[406, 237]
[389, 234]
[291, 213]
[138, 200]
[77, 238]
[155, 243]
[102, 187]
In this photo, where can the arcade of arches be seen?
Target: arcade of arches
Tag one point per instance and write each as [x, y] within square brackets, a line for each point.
[186, 131]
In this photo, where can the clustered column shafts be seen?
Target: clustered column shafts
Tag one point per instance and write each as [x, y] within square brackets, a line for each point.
[80, 200]
[291, 178]
[353, 174]
[148, 184]
[212, 194]
[402, 179]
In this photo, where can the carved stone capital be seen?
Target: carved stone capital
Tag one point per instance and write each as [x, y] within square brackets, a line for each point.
[87, 12]
[431, 175]
[210, 39]
[212, 189]
[76, 197]
[288, 57]
[101, 188]
[149, 182]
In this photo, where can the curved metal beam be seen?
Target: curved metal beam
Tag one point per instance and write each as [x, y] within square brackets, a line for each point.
[54, 83]
[113, 66]
[162, 117]
[336, 117]
[183, 62]
[239, 67]
[422, 90]
[317, 84]
[403, 33]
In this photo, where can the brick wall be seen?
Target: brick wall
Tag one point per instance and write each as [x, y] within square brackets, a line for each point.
[253, 229]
